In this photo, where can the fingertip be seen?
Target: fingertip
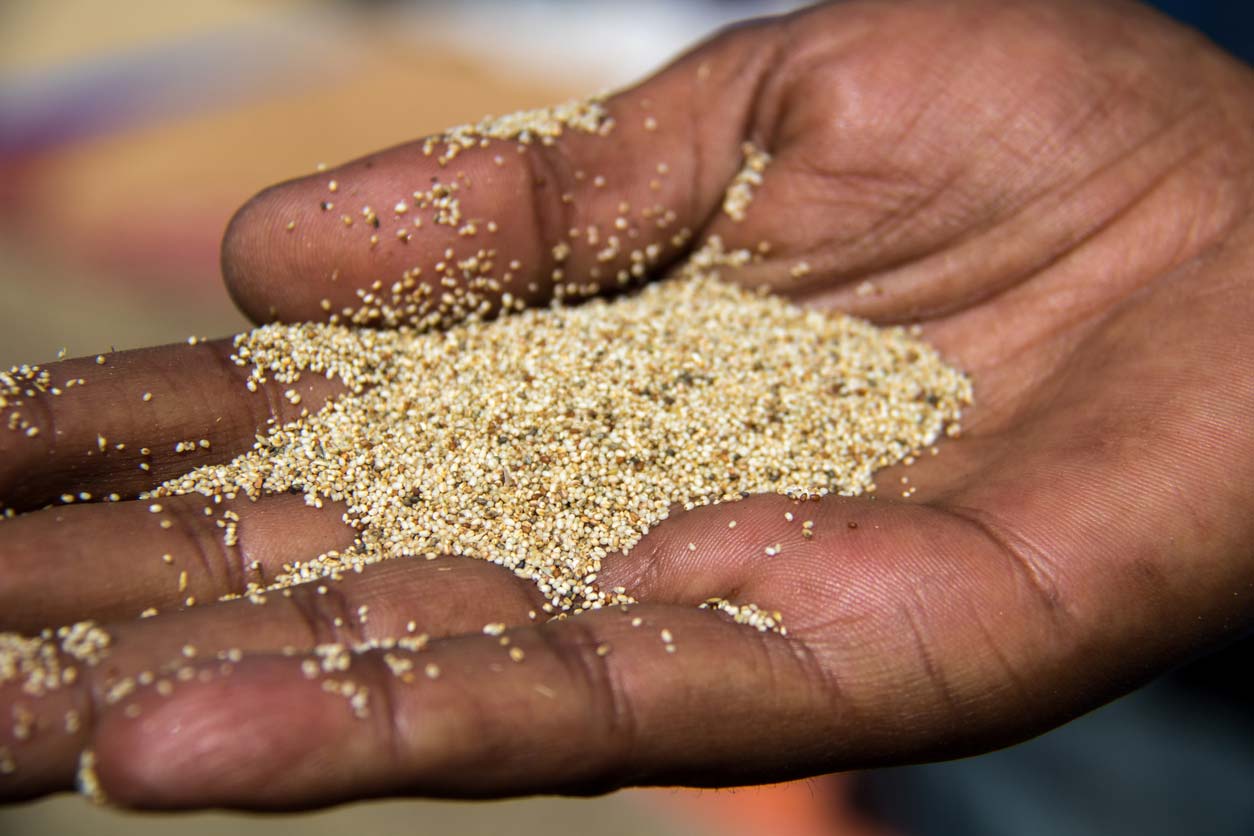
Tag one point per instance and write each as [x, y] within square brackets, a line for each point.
[581, 199]
[377, 239]
[260, 739]
[259, 264]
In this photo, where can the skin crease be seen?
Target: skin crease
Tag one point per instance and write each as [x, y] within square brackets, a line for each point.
[1057, 192]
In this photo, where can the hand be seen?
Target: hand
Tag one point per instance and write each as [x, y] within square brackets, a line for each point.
[1058, 193]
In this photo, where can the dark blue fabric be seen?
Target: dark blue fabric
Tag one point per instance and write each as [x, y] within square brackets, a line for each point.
[1229, 23]
[1173, 759]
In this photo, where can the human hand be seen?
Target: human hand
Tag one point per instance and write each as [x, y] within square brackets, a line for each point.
[1056, 192]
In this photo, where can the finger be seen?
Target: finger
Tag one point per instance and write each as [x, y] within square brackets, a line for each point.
[437, 229]
[580, 705]
[438, 597]
[405, 600]
[124, 422]
[761, 551]
[767, 550]
[111, 561]
[584, 704]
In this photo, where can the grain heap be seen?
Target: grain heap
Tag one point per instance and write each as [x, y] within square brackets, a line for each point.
[548, 441]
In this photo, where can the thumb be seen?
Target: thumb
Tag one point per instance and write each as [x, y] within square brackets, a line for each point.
[565, 202]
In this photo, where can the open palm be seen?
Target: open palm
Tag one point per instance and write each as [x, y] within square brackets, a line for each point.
[1056, 193]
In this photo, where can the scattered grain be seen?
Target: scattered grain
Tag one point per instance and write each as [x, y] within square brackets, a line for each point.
[543, 125]
[86, 782]
[740, 193]
[750, 614]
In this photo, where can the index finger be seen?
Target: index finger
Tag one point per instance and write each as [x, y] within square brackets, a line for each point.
[88, 429]
[564, 202]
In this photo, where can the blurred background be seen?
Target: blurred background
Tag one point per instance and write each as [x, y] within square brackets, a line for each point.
[131, 130]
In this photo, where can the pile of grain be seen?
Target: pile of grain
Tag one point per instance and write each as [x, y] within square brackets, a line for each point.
[549, 441]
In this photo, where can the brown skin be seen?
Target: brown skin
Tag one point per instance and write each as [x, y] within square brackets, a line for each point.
[1058, 193]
